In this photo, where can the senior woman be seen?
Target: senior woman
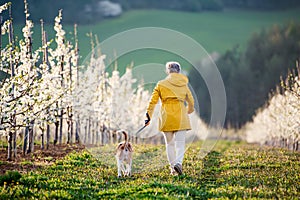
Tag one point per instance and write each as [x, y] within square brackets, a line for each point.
[177, 103]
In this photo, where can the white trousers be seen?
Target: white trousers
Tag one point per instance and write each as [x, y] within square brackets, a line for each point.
[175, 146]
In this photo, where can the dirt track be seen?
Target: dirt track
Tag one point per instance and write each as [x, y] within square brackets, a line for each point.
[39, 158]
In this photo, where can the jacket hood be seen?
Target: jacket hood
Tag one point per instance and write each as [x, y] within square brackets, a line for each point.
[177, 79]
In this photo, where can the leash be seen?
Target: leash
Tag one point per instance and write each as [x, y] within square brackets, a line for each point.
[140, 130]
[146, 121]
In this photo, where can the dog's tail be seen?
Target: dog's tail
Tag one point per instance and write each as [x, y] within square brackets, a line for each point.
[125, 135]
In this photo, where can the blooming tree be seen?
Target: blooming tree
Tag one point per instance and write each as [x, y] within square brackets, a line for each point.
[34, 92]
[278, 124]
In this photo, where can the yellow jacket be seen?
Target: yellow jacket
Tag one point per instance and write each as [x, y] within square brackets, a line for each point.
[174, 93]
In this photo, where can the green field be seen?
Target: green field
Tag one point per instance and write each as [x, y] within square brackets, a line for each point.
[215, 31]
[232, 170]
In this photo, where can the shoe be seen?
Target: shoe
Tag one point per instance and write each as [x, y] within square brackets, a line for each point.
[178, 168]
[173, 172]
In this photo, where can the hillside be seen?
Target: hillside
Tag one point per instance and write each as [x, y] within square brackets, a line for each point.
[231, 170]
[215, 31]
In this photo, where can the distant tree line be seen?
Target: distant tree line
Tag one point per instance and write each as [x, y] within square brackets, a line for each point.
[249, 76]
[261, 4]
[202, 5]
[75, 11]
[88, 11]
[184, 5]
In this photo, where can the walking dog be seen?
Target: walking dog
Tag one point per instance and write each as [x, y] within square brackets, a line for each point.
[124, 156]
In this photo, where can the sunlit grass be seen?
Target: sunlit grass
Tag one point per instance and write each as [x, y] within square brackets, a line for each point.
[231, 170]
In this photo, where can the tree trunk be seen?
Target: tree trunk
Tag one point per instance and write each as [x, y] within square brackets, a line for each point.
[45, 60]
[61, 126]
[110, 138]
[12, 67]
[101, 134]
[77, 130]
[104, 135]
[48, 136]
[85, 131]
[61, 106]
[77, 138]
[70, 125]
[9, 147]
[295, 145]
[14, 144]
[25, 140]
[97, 133]
[69, 132]
[30, 138]
[93, 132]
[56, 132]
[89, 130]
[43, 138]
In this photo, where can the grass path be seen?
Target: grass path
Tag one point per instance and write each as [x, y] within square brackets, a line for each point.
[231, 170]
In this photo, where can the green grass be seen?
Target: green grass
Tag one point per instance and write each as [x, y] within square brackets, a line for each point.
[215, 31]
[232, 170]
[10, 177]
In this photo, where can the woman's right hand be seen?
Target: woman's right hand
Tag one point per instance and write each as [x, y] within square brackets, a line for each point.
[147, 121]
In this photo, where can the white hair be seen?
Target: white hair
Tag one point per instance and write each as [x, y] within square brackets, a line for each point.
[173, 67]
